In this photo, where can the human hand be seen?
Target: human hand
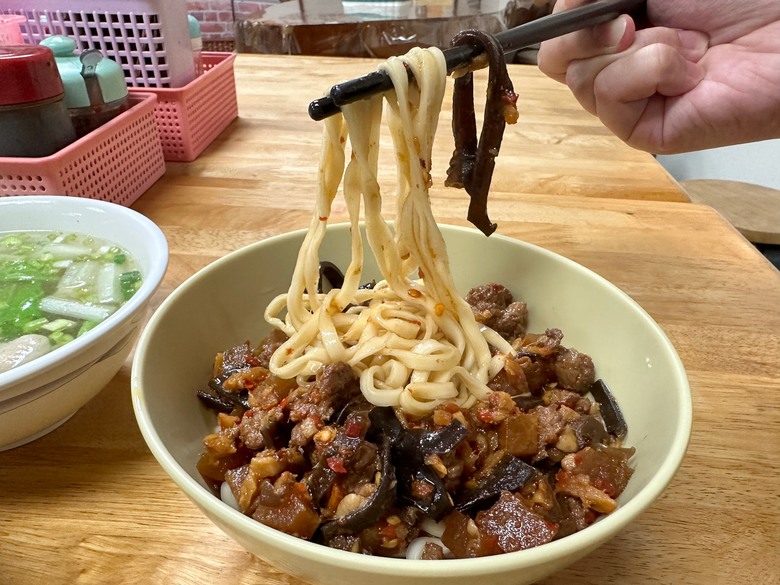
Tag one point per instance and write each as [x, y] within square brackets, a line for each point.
[705, 73]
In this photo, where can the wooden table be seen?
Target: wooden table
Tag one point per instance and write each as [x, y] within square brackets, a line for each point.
[753, 209]
[88, 504]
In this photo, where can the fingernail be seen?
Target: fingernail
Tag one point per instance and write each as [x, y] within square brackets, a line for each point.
[610, 33]
[694, 43]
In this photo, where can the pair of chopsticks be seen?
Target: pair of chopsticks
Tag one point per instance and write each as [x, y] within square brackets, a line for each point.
[525, 35]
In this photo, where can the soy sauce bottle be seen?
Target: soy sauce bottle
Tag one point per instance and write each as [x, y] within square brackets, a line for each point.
[33, 116]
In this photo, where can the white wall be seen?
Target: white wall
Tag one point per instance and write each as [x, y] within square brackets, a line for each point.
[757, 163]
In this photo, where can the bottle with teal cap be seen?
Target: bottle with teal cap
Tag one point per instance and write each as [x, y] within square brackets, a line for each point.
[95, 87]
[197, 44]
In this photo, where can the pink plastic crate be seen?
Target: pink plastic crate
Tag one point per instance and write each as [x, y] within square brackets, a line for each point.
[191, 117]
[117, 162]
[150, 39]
[10, 33]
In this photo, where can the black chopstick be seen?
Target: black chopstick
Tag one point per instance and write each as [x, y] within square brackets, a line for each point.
[536, 31]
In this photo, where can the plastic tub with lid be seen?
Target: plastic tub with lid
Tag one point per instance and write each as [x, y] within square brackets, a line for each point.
[33, 115]
[95, 87]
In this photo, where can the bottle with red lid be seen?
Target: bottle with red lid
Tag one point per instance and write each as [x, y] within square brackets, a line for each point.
[34, 121]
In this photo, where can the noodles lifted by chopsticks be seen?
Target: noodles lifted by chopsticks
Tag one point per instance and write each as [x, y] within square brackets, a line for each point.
[411, 338]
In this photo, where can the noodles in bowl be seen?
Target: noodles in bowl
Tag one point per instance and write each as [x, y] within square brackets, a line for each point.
[291, 461]
[454, 363]
[209, 313]
[378, 414]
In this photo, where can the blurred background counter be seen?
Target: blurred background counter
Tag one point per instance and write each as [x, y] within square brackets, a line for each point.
[355, 28]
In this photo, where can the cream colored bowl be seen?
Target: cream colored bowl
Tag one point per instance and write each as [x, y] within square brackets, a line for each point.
[222, 306]
[37, 397]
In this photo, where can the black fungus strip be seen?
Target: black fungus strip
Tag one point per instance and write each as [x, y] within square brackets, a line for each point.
[240, 398]
[215, 402]
[610, 411]
[384, 423]
[527, 401]
[335, 278]
[320, 481]
[509, 474]
[589, 430]
[375, 507]
[410, 448]
[473, 162]
[221, 399]
[322, 477]
[331, 273]
[464, 132]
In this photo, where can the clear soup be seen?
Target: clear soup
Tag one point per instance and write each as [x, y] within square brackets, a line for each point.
[55, 287]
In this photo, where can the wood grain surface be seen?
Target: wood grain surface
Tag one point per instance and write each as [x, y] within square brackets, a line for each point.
[88, 504]
[753, 209]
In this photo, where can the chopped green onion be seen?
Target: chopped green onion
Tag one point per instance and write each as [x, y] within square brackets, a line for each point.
[12, 241]
[34, 325]
[58, 324]
[60, 338]
[86, 326]
[129, 282]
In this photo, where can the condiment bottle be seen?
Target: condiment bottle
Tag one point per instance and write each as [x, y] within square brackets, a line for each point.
[95, 87]
[196, 41]
[33, 116]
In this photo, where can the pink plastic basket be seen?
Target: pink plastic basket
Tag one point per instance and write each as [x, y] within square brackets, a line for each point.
[150, 39]
[191, 117]
[10, 33]
[117, 162]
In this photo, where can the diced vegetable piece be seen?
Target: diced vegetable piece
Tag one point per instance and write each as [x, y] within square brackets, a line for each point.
[60, 338]
[514, 526]
[86, 326]
[108, 288]
[287, 506]
[79, 277]
[129, 282]
[58, 324]
[463, 537]
[62, 251]
[76, 310]
[34, 325]
[519, 434]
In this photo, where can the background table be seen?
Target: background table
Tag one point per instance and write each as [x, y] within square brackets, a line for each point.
[88, 504]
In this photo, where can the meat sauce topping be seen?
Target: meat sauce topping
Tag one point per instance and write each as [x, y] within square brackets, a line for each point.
[533, 463]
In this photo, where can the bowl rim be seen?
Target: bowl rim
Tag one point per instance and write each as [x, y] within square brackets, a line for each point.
[155, 240]
[569, 547]
[8, 405]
